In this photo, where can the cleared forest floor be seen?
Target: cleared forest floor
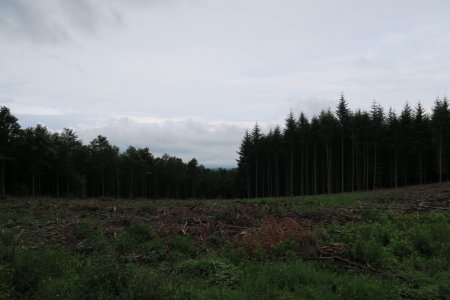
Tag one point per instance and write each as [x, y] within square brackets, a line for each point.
[391, 243]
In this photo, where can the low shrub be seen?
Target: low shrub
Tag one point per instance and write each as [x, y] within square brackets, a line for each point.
[6, 281]
[134, 238]
[428, 239]
[299, 280]
[215, 272]
[183, 245]
[32, 267]
[285, 249]
[402, 247]
[146, 285]
[367, 251]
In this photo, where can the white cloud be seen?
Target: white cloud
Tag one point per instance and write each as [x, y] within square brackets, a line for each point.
[37, 110]
[212, 143]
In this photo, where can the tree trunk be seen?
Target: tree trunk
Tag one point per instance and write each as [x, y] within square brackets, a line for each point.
[155, 189]
[256, 176]
[353, 165]
[302, 171]
[286, 181]
[315, 168]
[33, 181]
[67, 181]
[420, 168]
[440, 155]
[357, 168]
[277, 177]
[248, 182]
[306, 172]
[368, 167]
[406, 173]
[103, 181]
[329, 170]
[131, 184]
[118, 183]
[375, 166]
[3, 191]
[145, 186]
[57, 182]
[342, 163]
[268, 177]
[292, 173]
[396, 169]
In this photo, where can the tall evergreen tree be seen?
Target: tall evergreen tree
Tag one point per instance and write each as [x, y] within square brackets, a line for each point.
[440, 125]
[290, 139]
[343, 115]
[256, 142]
[277, 140]
[394, 142]
[421, 139]
[303, 128]
[244, 161]
[378, 131]
[328, 126]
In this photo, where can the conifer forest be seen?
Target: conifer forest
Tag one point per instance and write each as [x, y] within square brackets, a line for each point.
[336, 150]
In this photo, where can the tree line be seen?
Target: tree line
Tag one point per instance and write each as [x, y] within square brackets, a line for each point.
[334, 151]
[344, 150]
[37, 162]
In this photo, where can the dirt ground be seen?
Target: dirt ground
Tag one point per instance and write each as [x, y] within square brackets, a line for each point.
[51, 221]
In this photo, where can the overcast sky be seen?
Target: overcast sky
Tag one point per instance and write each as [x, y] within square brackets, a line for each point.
[189, 77]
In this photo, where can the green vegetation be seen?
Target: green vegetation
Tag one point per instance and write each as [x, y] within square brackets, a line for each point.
[345, 246]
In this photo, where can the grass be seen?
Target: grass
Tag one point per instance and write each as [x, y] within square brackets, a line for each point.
[341, 200]
[167, 250]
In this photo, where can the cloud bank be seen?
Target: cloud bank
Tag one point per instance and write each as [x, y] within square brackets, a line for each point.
[188, 77]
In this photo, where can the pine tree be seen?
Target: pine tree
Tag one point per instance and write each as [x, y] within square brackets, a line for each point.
[343, 115]
[440, 124]
[303, 136]
[394, 142]
[421, 139]
[256, 145]
[377, 130]
[243, 161]
[277, 141]
[406, 140]
[290, 139]
[328, 127]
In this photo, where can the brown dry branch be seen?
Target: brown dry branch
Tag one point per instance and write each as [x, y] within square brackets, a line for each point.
[273, 231]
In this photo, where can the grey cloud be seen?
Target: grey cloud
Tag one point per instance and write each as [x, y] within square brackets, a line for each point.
[192, 62]
[54, 21]
[80, 14]
[28, 20]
